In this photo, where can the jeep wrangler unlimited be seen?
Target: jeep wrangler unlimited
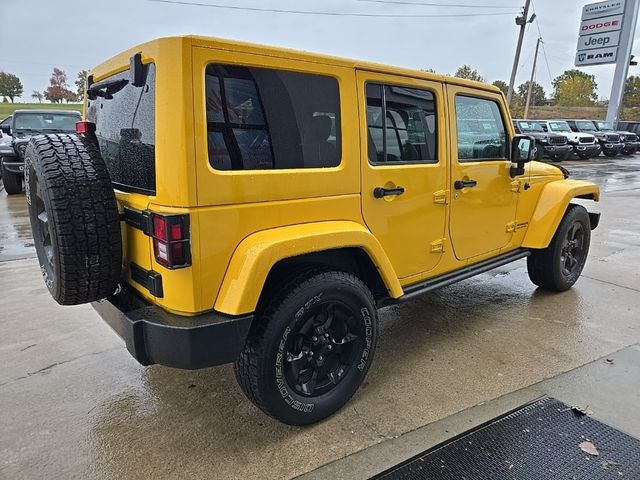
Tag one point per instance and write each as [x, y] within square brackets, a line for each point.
[227, 202]
[24, 125]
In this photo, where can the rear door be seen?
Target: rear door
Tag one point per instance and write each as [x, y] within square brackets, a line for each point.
[404, 168]
[484, 200]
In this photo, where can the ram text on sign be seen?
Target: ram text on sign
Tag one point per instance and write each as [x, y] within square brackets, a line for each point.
[601, 25]
[599, 40]
[596, 57]
[600, 9]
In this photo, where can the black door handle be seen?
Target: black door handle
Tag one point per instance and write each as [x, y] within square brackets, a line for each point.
[380, 192]
[460, 184]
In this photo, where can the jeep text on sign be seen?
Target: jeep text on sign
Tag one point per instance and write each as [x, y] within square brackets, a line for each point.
[601, 25]
[596, 57]
[601, 9]
[600, 40]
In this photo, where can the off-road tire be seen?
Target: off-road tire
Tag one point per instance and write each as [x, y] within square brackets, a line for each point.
[545, 265]
[539, 152]
[260, 368]
[12, 182]
[74, 218]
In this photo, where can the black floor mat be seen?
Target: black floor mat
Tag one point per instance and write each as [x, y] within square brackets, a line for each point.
[539, 441]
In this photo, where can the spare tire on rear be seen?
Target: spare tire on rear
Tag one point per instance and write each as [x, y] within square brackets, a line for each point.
[74, 218]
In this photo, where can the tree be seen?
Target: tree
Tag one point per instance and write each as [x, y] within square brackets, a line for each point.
[575, 89]
[81, 83]
[501, 85]
[537, 93]
[10, 85]
[58, 89]
[467, 72]
[631, 96]
[37, 95]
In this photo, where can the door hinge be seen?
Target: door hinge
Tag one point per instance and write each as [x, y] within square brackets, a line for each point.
[438, 245]
[511, 227]
[515, 185]
[441, 197]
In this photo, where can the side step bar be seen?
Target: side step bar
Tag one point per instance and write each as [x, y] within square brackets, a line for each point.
[453, 277]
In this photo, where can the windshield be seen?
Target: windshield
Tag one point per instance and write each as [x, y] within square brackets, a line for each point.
[605, 126]
[559, 127]
[530, 127]
[44, 122]
[586, 126]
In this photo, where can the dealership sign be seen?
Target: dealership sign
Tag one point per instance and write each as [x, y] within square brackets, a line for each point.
[596, 57]
[599, 34]
[601, 9]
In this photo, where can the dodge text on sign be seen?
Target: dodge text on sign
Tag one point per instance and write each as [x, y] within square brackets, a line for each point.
[601, 25]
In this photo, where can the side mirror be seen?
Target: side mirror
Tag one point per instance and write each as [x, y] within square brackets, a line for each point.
[6, 129]
[523, 150]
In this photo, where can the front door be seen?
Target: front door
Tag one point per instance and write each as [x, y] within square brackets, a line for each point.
[484, 200]
[404, 168]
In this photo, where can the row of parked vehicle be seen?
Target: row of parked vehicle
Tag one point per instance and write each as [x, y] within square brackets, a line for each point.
[560, 140]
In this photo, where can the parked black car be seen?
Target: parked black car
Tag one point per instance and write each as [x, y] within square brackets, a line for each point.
[628, 138]
[548, 144]
[24, 125]
[609, 141]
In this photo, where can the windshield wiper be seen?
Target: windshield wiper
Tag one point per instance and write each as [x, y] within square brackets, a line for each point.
[106, 88]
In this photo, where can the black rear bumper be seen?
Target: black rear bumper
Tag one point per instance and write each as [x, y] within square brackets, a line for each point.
[153, 335]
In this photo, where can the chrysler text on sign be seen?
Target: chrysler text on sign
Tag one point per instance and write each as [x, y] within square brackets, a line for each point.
[601, 9]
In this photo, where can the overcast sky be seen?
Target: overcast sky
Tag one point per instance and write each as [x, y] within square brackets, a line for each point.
[37, 35]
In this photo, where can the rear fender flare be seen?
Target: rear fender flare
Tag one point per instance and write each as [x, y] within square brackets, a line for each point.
[256, 255]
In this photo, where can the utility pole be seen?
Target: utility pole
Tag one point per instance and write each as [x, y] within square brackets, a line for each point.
[533, 73]
[522, 21]
[623, 60]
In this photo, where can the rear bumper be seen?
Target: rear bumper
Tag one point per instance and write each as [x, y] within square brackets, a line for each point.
[153, 335]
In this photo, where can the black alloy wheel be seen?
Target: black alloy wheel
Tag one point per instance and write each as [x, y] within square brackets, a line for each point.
[573, 249]
[322, 348]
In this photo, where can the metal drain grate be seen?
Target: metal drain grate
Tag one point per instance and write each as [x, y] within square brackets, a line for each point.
[539, 441]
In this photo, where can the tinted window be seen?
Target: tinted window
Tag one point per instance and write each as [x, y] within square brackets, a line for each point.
[401, 124]
[125, 128]
[481, 133]
[259, 118]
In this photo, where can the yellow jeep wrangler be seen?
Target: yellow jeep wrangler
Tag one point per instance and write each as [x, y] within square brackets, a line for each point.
[227, 202]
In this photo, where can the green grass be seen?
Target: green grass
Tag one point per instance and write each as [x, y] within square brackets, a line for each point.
[7, 109]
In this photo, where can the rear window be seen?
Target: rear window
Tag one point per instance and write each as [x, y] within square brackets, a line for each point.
[125, 128]
[259, 119]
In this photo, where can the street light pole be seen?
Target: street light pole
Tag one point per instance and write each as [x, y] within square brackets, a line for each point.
[533, 73]
[522, 21]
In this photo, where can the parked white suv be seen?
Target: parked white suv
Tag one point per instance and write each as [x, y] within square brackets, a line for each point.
[584, 145]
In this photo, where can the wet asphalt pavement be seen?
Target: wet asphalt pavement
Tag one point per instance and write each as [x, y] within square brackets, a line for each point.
[74, 404]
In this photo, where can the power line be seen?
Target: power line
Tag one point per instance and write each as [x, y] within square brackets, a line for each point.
[330, 14]
[544, 50]
[430, 4]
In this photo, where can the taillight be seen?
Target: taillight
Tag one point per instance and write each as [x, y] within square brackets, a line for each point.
[171, 246]
[85, 127]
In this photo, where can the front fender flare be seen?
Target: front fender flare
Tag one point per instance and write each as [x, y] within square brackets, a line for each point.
[256, 255]
[552, 205]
